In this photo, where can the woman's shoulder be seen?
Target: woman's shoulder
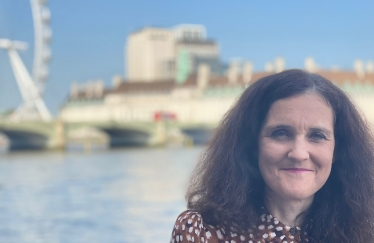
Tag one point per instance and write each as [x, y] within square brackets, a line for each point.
[189, 221]
[189, 215]
[189, 226]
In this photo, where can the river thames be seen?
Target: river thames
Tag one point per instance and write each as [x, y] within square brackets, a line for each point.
[111, 196]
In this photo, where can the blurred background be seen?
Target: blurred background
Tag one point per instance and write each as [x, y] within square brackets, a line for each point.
[106, 106]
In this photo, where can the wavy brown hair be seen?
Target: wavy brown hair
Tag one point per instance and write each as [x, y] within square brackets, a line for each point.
[227, 185]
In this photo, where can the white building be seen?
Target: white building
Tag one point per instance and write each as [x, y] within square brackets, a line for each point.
[157, 53]
[147, 52]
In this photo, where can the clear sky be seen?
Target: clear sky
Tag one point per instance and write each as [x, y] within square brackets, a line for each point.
[89, 35]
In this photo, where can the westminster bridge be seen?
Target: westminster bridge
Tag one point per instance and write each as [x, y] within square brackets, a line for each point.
[29, 135]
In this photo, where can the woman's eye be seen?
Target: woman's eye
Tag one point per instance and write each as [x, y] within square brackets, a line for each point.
[280, 134]
[317, 136]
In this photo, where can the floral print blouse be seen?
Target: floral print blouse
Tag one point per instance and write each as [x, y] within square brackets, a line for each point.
[190, 227]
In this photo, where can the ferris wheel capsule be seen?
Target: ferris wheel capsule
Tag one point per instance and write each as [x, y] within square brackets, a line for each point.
[47, 34]
[47, 53]
[43, 1]
[43, 72]
[45, 14]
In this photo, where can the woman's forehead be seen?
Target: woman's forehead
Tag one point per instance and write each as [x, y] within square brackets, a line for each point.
[309, 108]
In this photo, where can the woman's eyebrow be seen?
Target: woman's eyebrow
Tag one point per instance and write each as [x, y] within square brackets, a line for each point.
[279, 126]
[321, 129]
[288, 127]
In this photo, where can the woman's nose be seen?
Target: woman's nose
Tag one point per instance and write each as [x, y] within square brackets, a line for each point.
[298, 150]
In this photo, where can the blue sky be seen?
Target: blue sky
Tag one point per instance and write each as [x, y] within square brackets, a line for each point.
[89, 35]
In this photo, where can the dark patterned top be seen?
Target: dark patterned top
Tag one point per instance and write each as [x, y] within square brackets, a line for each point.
[190, 227]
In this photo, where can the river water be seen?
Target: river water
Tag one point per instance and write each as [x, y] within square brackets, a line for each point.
[111, 196]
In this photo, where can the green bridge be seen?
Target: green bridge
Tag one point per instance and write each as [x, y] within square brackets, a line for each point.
[58, 135]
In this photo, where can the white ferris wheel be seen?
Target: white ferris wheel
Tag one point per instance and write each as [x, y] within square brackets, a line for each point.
[32, 85]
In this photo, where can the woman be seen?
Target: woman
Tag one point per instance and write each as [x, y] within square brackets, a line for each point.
[292, 161]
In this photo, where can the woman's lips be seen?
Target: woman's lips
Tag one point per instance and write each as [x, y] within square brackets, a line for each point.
[297, 170]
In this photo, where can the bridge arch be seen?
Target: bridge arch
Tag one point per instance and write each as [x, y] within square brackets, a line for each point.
[25, 140]
[127, 137]
[199, 135]
[114, 136]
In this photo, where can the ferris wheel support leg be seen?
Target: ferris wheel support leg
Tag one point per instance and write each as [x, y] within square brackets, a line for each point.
[29, 92]
[18, 73]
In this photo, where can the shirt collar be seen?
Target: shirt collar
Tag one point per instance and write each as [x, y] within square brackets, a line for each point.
[269, 227]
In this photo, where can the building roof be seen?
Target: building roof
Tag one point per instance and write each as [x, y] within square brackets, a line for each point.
[163, 86]
[338, 77]
[141, 29]
[341, 77]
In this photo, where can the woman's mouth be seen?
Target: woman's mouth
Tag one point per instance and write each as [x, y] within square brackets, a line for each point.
[297, 170]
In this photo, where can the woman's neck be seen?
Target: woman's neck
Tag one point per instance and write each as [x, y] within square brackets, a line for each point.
[285, 210]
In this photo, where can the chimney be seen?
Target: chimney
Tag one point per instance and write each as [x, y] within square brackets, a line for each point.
[247, 72]
[310, 65]
[90, 89]
[233, 72]
[370, 67]
[269, 67]
[116, 81]
[279, 64]
[99, 89]
[359, 68]
[74, 90]
[203, 76]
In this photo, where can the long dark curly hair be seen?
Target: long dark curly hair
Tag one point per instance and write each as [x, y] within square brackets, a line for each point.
[227, 185]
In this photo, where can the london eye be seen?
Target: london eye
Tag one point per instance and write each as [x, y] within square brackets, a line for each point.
[32, 84]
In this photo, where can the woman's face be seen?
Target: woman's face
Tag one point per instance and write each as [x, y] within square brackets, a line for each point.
[296, 146]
